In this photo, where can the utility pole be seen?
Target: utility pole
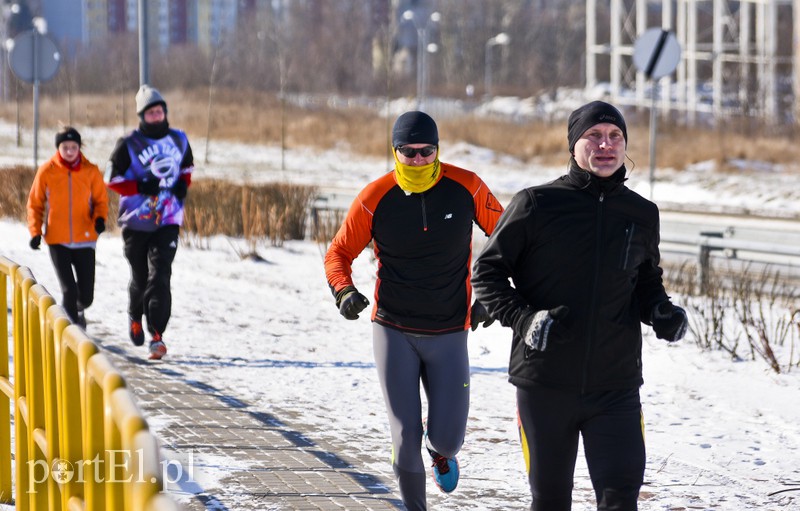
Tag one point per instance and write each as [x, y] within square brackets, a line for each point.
[144, 58]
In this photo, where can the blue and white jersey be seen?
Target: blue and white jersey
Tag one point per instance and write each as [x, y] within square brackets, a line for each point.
[154, 159]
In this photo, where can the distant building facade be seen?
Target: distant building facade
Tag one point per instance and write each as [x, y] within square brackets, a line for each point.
[170, 22]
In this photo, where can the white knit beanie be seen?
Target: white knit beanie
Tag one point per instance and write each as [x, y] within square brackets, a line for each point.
[147, 97]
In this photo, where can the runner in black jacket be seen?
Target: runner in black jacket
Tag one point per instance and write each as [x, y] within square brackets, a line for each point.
[582, 254]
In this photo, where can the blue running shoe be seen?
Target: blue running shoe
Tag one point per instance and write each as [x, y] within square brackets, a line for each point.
[445, 472]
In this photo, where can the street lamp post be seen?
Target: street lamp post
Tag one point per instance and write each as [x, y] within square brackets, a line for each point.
[144, 51]
[423, 48]
[501, 39]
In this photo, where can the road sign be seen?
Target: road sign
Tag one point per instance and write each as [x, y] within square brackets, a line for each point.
[656, 53]
[34, 57]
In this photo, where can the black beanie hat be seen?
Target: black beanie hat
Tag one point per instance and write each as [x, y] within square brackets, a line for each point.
[68, 133]
[414, 128]
[590, 114]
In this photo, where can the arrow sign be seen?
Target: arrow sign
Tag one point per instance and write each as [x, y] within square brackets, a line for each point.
[656, 53]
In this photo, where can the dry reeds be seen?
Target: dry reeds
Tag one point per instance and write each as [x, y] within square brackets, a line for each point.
[749, 314]
[17, 183]
[268, 120]
[258, 213]
[274, 212]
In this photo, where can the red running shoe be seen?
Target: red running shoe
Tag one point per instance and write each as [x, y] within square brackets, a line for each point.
[157, 347]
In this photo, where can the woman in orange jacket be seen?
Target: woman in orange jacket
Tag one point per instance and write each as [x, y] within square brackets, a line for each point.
[69, 197]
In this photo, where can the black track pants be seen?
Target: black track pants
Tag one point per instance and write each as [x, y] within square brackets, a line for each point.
[441, 363]
[75, 271]
[150, 255]
[611, 425]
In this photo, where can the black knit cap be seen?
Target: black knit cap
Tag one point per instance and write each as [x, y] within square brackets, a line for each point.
[68, 133]
[414, 127]
[588, 115]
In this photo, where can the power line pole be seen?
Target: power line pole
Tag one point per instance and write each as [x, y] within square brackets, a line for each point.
[144, 58]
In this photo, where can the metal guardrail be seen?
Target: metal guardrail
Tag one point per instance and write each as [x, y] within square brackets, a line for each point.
[706, 236]
[706, 241]
[747, 240]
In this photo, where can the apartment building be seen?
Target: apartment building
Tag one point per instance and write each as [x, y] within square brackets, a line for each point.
[170, 22]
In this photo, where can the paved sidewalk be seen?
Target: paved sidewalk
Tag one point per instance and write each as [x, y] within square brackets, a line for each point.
[233, 457]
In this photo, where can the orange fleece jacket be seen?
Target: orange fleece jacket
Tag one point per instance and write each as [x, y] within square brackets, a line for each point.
[70, 199]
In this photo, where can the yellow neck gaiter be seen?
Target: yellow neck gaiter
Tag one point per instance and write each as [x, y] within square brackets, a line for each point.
[416, 179]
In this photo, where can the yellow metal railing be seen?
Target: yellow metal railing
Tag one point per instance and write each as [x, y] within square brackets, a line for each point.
[80, 441]
[7, 268]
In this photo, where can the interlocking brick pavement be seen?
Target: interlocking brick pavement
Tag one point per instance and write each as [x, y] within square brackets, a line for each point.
[223, 454]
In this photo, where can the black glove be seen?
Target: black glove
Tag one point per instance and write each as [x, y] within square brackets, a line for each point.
[351, 302]
[179, 189]
[669, 321]
[149, 187]
[479, 315]
[539, 328]
[36, 241]
[99, 225]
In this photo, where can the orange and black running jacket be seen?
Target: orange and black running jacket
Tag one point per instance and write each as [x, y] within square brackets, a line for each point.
[423, 246]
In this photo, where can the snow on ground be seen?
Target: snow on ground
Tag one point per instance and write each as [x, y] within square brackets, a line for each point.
[720, 435]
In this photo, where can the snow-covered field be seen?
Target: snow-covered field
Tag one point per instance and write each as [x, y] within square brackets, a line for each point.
[720, 435]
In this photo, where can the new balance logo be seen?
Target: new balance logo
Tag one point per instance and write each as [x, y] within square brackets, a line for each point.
[448, 216]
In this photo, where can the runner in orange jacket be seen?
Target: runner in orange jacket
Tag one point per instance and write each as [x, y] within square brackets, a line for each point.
[69, 199]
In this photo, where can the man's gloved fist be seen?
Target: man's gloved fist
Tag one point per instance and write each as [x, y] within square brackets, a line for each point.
[539, 329]
[479, 315]
[99, 225]
[149, 187]
[669, 321]
[36, 241]
[179, 189]
[351, 302]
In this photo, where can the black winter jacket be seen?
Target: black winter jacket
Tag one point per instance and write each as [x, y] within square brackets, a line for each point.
[590, 244]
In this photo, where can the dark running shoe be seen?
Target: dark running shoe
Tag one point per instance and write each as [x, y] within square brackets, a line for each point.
[136, 331]
[81, 320]
[157, 347]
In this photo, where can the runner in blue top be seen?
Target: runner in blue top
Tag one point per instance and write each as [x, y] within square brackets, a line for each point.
[151, 169]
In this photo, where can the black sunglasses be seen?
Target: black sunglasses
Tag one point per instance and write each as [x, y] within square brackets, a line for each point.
[410, 152]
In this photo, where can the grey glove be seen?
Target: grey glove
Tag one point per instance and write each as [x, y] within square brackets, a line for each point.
[479, 315]
[351, 302]
[539, 329]
[669, 321]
